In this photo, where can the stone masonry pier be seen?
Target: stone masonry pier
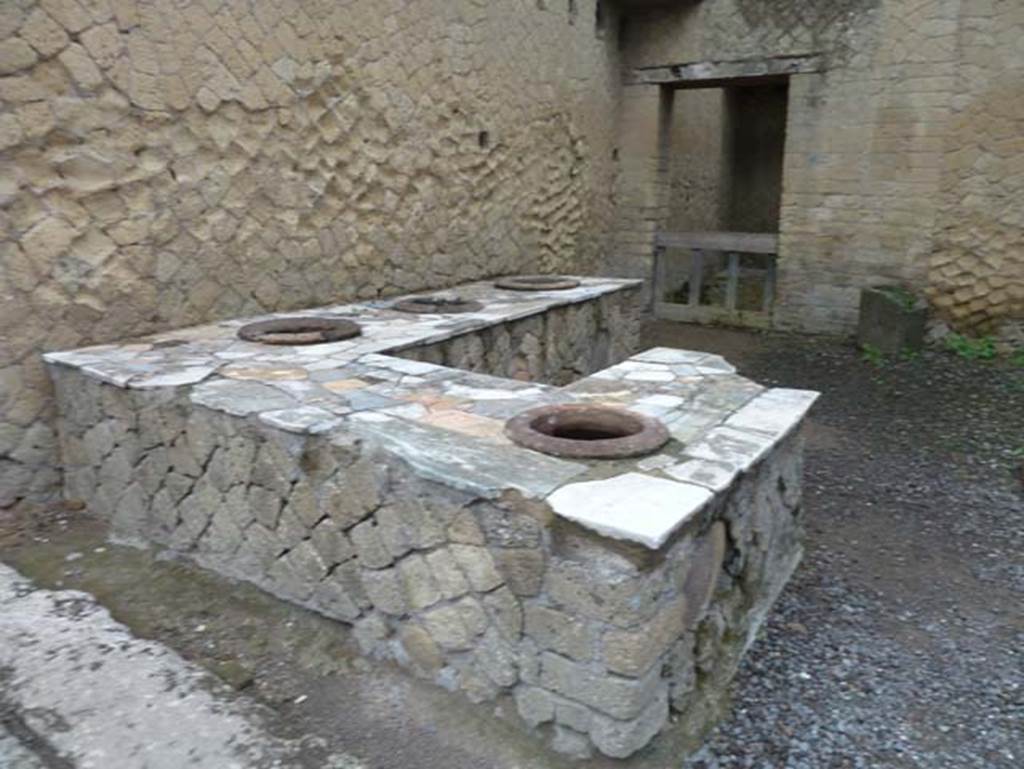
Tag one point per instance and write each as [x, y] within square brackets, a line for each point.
[371, 480]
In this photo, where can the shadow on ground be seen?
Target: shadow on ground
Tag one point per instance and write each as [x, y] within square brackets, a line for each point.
[900, 642]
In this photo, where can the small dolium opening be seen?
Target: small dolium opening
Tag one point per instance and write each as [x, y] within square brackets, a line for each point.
[588, 426]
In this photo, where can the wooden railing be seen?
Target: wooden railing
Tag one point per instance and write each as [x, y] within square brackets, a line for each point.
[731, 245]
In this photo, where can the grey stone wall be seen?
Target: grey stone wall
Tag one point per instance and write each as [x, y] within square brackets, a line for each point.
[597, 642]
[556, 347]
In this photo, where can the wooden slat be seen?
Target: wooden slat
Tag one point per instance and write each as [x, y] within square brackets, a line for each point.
[711, 73]
[741, 242]
[769, 287]
[696, 277]
[732, 286]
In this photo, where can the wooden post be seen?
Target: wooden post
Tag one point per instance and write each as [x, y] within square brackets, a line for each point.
[696, 276]
[769, 285]
[733, 284]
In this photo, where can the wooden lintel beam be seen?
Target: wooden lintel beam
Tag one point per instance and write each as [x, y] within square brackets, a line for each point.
[741, 242]
[709, 73]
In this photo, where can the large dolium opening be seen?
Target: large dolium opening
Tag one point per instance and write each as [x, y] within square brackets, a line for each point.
[724, 148]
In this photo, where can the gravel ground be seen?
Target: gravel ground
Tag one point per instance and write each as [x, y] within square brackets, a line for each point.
[900, 642]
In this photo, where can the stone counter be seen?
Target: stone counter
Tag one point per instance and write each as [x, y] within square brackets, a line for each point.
[371, 480]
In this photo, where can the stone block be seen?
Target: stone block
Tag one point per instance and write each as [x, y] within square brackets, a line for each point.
[370, 632]
[478, 566]
[420, 648]
[522, 569]
[331, 542]
[620, 599]
[497, 659]
[450, 580]
[621, 739]
[560, 632]
[332, 598]
[354, 494]
[421, 589]
[385, 591]
[370, 548]
[620, 698]
[506, 612]
[507, 528]
[633, 652]
[891, 320]
[445, 625]
[535, 705]
[465, 530]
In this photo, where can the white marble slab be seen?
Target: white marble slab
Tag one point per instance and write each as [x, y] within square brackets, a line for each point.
[632, 506]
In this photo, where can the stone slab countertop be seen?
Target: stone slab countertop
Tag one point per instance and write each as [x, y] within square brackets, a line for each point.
[448, 424]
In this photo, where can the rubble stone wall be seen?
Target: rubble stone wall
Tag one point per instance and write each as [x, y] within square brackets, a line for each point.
[556, 347]
[596, 642]
[165, 164]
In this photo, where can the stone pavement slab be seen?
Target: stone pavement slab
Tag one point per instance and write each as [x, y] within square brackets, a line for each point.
[90, 695]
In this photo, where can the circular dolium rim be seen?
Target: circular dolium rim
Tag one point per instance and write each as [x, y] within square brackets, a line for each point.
[299, 331]
[536, 283]
[438, 305]
[587, 431]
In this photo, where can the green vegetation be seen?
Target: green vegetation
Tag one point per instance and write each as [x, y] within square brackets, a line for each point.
[902, 296]
[872, 354]
[982, 348]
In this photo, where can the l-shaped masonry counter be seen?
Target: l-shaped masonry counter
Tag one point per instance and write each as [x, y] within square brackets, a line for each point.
[372, 481]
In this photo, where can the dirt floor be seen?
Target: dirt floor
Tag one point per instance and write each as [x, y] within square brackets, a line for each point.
[899, 643]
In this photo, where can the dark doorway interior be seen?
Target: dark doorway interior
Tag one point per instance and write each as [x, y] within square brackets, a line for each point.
[725, 150]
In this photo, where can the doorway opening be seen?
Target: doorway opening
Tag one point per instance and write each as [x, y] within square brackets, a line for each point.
[723, 146]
